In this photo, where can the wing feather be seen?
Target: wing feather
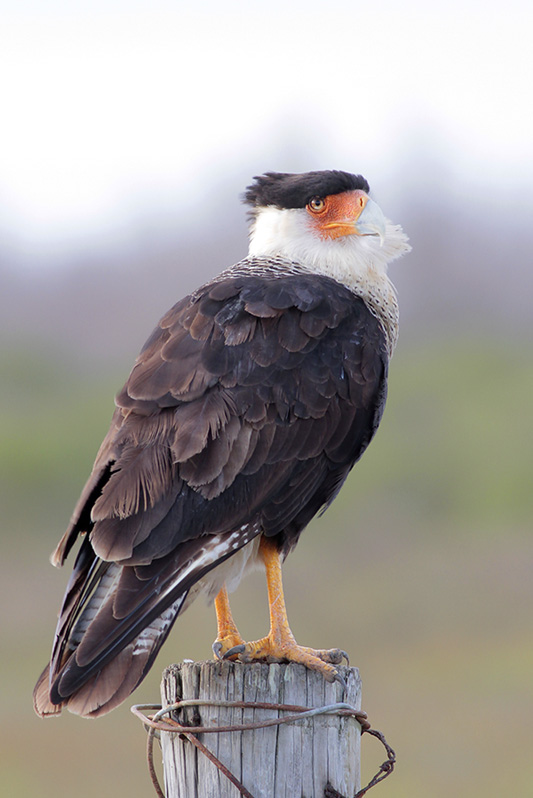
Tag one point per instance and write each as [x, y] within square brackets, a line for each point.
[243, 414]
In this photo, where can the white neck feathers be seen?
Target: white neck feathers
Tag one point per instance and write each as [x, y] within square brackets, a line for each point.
[350, 260]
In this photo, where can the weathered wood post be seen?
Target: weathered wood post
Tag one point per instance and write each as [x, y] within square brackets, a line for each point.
[293, 759]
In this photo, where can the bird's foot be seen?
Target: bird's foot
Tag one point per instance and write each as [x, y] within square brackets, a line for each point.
[224, 646]
[287, 650]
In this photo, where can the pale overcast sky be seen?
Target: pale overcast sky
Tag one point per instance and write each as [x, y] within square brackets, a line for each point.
[109, 106]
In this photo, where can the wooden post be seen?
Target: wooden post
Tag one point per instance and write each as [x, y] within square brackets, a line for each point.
[285, 761]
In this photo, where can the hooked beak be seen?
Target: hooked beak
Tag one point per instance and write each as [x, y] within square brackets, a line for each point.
[371, 222]
[359, 215]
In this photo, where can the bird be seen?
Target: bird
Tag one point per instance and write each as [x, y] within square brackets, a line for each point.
[242, 416]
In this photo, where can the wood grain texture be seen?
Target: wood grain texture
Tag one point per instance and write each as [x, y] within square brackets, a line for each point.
[293, 760]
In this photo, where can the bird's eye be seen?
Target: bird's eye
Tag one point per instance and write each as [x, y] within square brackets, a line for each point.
[317, 204]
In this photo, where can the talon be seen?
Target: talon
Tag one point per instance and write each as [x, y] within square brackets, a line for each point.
[217, 648]
[340, 679]
[335, 656]
[339, 656]
[233, 651]
[279, 645]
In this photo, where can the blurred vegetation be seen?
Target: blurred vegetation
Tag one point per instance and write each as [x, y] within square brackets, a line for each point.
[421, 570]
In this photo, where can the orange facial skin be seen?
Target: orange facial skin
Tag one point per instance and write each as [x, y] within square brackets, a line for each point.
[336, 215]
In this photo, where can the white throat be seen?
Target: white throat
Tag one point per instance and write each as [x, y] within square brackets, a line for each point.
[352, 260]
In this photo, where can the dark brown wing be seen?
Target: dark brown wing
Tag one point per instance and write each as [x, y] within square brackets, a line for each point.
[243, 414]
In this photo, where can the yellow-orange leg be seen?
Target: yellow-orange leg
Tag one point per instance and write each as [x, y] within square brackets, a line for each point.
[228, 636]
[279, 645]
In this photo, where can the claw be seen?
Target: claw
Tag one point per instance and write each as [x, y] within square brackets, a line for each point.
[217, 648]
[334, 656]
[233, 651]
[279, 645]
[340, 679]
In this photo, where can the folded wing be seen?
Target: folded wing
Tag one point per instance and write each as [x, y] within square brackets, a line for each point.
[242, 416]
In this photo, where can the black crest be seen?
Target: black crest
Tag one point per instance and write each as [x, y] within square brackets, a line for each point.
[295, 190]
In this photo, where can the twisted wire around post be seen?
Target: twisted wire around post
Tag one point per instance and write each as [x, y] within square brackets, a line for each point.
[155, 723]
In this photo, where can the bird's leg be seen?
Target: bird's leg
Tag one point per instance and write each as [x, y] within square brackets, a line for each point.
[227, 633]
[279, 645]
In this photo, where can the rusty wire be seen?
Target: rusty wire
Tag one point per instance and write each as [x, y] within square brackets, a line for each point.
[154, 724]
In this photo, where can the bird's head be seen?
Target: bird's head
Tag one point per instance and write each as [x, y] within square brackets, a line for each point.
[325, 220]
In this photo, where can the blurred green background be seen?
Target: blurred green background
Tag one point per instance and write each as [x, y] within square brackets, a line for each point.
[422, 571]
[130, 131]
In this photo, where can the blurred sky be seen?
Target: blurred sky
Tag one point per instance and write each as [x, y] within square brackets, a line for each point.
[114, 111]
